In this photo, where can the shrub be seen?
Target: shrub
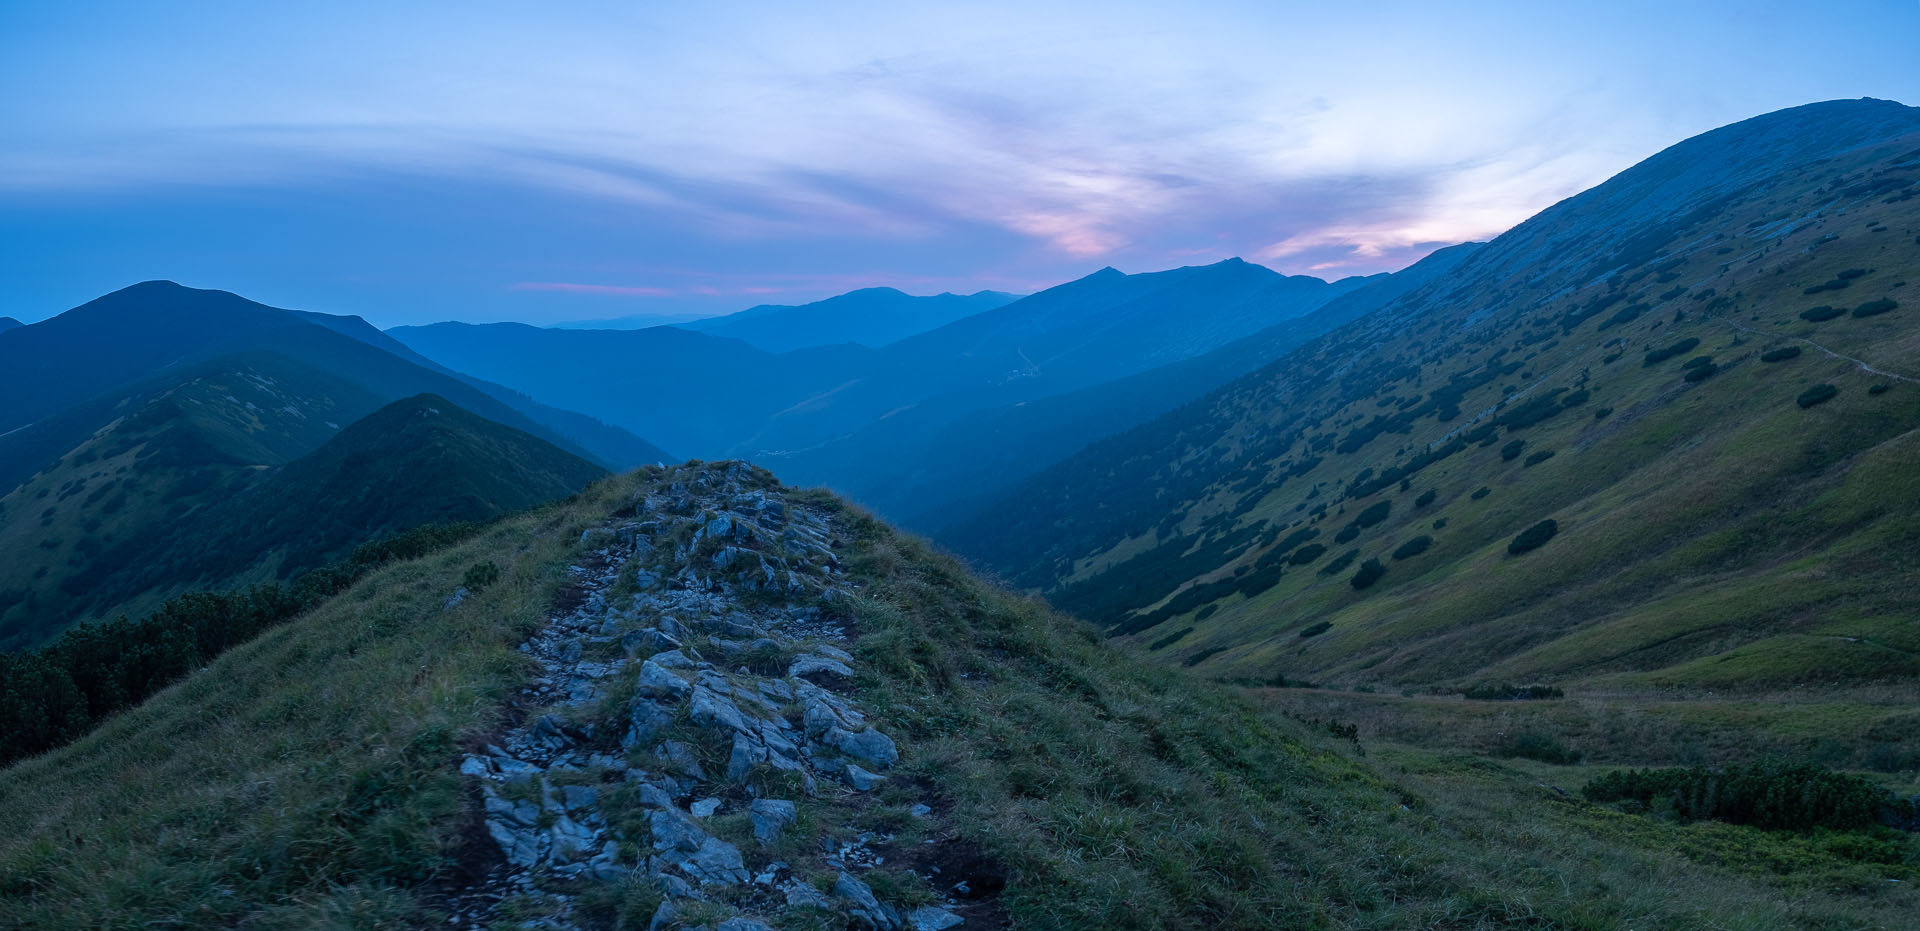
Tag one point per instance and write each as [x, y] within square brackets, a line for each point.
[1340, 563]
[1697, 361]
[1602, 413]
[1347, 534]
[1170, 639]
[1440, 524]
[1875, 308]
[1851, 274]
[1537, 458]
[1480, 492]
[1413, 547]
[1316, 629]
[1368, 573]
[1426, 497]
[480, 575]
[1820, 313]
[1511, 451]
[1830, 285]
[1879, 389]
[1207, 612]
[1307, 554]
[1534, 745]
[1700, 373]
[1505, 692]
[1657, 356]
[1375, 513]
[1576, 398]
[1780, 355]
[1533, 537]
[1818, 394]
[1780, 796]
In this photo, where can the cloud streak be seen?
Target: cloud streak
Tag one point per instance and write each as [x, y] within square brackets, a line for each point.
[999, 143]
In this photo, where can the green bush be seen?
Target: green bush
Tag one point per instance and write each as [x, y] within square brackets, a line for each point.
[1426, 497]
[1697, 361]
[1701, 373]
[1375, 513]
[1533, 537]
[1780, 355]
[1657, 356]
[1307, 554]
[1818, 394]
[1851, 274]
[1340, 563]
[1780, 796]
[1881, 388]
[1537, 458]
[1413, 547]
[1602, 413]
[1875, 308]
[1316, 629]
[1347, 534]
[1511, 451]
[1480, 492]
[1505, 692]
[480, 575]
[1821, 313]
[1830, 285]
[1535, 745]
[1368, 573]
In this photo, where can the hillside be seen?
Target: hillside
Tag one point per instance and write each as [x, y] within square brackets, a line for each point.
[919, 424]
[871, 317]
[928, 466]
[8, 323]
[150, 329]
[695, 698]
[242, 468]
[1597, 455]
[695, 393]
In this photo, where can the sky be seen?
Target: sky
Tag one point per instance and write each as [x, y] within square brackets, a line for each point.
[547, 162]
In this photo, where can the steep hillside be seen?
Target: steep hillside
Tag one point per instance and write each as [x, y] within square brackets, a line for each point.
[1105, 326]
[240, 471]
[872, 317]
[147, 460]
[927, 466]
[144, 331]
[1649, 439]
[694, 698]
[696, 393]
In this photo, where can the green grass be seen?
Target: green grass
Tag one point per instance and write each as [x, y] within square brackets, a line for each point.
[269, 790]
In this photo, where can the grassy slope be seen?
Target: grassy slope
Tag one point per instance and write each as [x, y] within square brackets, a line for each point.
[147, 460]
[1713, 535]
[308, 780]
[249, 468]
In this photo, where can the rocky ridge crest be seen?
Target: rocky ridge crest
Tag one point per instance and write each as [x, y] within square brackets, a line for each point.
[694, 728]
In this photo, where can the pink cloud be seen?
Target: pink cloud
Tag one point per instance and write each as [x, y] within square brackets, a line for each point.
[575, 288]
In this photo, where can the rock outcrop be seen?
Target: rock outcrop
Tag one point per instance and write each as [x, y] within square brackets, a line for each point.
[697, 674]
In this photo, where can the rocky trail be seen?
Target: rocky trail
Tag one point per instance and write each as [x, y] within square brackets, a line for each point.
[694, 735]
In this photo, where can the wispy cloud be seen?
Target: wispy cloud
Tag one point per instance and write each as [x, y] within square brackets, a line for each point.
[994, 145]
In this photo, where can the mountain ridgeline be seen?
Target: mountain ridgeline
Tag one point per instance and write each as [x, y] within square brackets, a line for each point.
[1653, 438]
[911, 425]
[232, 472]
[871, 317]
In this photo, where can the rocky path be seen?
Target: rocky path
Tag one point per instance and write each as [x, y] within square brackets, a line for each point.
[693, 732]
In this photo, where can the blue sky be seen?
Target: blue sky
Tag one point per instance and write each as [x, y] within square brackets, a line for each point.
[544, 162]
